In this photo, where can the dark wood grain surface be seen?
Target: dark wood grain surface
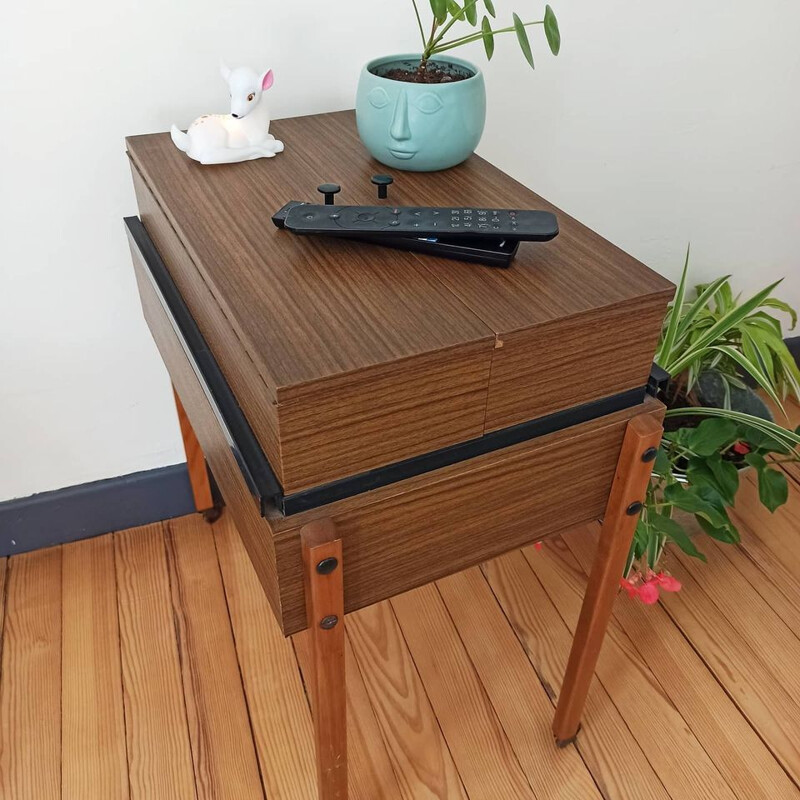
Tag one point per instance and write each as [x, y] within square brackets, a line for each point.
[346, 357]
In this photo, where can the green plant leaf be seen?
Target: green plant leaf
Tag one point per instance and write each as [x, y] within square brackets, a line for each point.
[753, 369]
[773, 488]
[675, 532]
[773, 302]
[694, 500]
[522, 38]
[710, 436]
[490, 7]
[726, 475]
[662, 465]
[715, 473]
[551, 30]
[488, 37]
[698, 304]
[455, 10]
[727, 535]
[471, 11]
[439, 9]
[664, 353]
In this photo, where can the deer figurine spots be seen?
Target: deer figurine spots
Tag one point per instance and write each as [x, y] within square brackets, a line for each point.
[241, 135]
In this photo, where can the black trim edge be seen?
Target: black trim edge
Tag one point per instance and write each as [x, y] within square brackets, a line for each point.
[253, 463]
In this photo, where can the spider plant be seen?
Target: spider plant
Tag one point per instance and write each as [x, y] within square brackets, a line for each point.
[712, 332]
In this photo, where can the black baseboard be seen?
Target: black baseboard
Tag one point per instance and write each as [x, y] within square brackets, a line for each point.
[91, 509]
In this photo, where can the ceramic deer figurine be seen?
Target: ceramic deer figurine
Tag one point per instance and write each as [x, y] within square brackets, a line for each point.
[241, 135]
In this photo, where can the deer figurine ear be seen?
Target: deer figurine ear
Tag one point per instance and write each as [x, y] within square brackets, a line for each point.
[267, 79]
[224, 70]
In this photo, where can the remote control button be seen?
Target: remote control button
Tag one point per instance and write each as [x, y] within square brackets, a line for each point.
[395, 211]
[334, 216]
[395, 222]
[365, 216]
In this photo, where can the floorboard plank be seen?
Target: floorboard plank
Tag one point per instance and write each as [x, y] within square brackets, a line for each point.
[156, 731]
[517, 696]
[275, 696]
[615, 759]
[94, 756]
[30, 692]
[772, 711]
[225, 761]
[420, 758]
[755, 622]
[482, 753]
[716, 721]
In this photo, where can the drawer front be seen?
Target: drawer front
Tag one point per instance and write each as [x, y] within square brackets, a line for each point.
[443, 522]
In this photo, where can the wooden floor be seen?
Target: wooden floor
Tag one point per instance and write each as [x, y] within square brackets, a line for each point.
[146, 664]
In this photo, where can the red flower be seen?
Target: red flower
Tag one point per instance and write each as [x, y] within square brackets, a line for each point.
[668, 583]
[741, 448]
[648, 593]
[631, 588]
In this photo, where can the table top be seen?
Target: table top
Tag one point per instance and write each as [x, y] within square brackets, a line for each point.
[307, 308]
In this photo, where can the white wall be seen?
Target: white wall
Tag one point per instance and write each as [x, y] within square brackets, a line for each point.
[653, 127]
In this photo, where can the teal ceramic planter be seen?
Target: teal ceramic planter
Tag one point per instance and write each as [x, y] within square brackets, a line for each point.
[421, 127]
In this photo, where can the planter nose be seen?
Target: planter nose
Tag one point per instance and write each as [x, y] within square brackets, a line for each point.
[399, 129]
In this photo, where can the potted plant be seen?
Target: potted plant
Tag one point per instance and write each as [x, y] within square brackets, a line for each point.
[715, 348]
[426, 111]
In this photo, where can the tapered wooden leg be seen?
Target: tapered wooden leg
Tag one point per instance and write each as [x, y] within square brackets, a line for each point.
[630, 483]
[196, 464]
[322, 568]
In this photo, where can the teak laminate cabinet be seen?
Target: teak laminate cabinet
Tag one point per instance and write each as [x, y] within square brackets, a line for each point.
[376, 419]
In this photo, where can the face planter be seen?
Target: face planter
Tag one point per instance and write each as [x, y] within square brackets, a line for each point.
[421, 127]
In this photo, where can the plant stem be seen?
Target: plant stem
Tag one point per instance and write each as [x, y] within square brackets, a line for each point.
[419, 21]
[474, 37]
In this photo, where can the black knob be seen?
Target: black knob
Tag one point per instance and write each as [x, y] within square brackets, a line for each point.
[329, 190]
[382, 182]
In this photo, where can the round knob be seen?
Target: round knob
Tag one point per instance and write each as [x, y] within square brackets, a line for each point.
[329, 190]
[382, 182]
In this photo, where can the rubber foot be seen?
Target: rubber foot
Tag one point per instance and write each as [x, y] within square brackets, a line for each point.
[211, 515]
[562, 743]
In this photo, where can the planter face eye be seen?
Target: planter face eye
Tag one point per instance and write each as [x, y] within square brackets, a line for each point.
[420, 126]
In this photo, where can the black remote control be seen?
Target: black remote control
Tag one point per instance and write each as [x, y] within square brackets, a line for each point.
[410, 221]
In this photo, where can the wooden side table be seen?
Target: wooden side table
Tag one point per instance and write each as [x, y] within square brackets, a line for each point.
[375, 419]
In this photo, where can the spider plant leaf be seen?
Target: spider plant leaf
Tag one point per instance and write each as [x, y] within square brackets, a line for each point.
[773, 302]
[757, 350]
[490, 7]
[488, 37]
[455, 10]
[664, 354]
[709, 290]
[718, 330]
[754, 369]
[522, 38]
[551, 30]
